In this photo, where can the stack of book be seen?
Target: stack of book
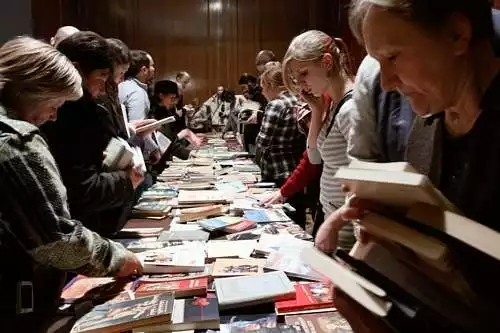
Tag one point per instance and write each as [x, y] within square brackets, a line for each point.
[210, 252]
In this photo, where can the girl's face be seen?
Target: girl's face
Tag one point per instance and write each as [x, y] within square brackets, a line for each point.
[168, 100]
[312, 76]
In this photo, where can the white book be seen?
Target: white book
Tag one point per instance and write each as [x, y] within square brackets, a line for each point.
[118, 155]
[235, 292]
[156, 125]
[230, 249]
[393, 188]
[174, 259]
[269, 243]
[162, 141]
[200, 197]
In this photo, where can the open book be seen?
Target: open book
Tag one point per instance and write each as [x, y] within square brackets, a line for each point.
[120, 156]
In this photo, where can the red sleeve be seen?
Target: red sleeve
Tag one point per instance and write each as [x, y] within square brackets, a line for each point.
[302, 176]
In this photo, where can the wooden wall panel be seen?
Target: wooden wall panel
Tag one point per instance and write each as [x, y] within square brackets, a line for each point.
[214, 40]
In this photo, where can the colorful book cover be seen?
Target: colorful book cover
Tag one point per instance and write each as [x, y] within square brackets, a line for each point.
[196, 310]
[309, 296]
[238, 227]
[247, 323]
[180, 288]
[127, 315]
[287, 228]
[82, 287]
[326, 322]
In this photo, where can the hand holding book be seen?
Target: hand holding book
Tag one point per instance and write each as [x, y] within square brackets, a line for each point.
[130, 266]
[135, 124]
[135, 175]
[327, 236]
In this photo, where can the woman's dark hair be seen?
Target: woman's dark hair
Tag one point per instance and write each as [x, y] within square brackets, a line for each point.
[138, 59]
[120, 55]
[89, 50]
[429, 14]
[119, 51]
[247, 79]
[165, 87]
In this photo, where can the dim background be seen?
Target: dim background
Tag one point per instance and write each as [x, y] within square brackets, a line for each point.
[214, 40]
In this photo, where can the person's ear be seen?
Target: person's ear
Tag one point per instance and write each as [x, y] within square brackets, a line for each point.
[327, 61]
[459, 33]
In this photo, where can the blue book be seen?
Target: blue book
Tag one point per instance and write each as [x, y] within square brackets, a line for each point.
[266, 215]
[220, 222]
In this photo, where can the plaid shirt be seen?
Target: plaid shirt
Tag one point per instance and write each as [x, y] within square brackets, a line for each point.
[34, 215]
[280, 144]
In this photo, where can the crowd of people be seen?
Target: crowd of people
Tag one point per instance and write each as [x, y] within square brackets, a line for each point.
[426, 93]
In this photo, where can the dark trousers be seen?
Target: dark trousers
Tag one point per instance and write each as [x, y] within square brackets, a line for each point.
[298, 201]
[319, 218]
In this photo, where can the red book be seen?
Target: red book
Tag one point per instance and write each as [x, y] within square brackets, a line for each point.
[85, 288]
[180, 288]
[241, 226]
[309, 296]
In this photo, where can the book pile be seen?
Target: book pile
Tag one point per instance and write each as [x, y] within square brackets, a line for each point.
[219, 255]
[424, 263]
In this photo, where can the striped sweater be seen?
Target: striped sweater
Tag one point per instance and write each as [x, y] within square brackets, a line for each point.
[333, 150]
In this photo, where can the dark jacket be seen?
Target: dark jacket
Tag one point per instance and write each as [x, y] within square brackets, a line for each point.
[476, 191]
[39, 240]
[100, 199]
[170, 130]
[178, 147]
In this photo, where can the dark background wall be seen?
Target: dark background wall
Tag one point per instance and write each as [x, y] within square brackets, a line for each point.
[214, 40]
[15, 19]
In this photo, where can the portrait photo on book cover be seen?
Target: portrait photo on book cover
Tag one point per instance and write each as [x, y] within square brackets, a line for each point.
[201, 302]
[241, 269]
[321, 291]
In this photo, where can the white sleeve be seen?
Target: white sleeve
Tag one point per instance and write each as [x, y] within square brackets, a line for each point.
[363, 137]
